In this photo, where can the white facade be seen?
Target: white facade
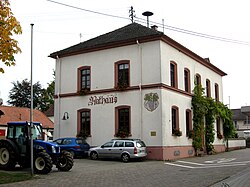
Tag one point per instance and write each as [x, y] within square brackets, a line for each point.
[149, 73]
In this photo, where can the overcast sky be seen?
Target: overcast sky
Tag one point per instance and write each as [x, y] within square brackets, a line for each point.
[57, 27]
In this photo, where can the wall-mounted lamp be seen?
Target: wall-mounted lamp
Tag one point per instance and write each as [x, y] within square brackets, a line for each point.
[65, 116]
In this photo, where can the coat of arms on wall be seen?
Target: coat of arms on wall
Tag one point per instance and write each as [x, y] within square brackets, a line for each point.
[151, 101]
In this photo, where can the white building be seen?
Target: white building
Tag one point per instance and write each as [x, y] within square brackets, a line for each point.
[135, 78]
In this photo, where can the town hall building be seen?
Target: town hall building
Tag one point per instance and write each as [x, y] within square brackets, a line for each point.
[133, 82]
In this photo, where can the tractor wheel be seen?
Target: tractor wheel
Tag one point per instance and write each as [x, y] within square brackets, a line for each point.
[8, 156]
[42, 163]
[65, 162]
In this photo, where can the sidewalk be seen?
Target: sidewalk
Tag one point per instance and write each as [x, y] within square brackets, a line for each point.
[241, 179]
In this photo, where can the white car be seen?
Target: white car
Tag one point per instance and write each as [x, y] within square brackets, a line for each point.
[124, 149]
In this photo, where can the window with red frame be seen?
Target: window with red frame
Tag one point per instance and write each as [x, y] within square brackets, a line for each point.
[187, 80]
[175, 118]
[173, 75]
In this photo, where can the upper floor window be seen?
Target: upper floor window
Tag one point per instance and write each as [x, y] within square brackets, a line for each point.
[187, 80]
[122, 73]
[122, 123]
[175, 118]
[84, 75]
[198, 79]
[208, 88]
[216, 89]
[84, 122]
[173, 75]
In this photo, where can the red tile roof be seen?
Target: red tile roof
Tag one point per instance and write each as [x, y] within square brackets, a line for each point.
[23, 114]
[50, 111]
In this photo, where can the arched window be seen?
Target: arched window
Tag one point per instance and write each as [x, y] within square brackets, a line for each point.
[175, 118]
[208, 88]
[216, 89]
[84, 121]
[84, 78]
[187, 80]
[188, 121]
[123, 119]
[122, 73]
[173, 74]
[198, 79]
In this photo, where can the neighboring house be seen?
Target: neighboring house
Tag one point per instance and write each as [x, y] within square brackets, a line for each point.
[50, 113]
[23, 114]
[136, 82]
[241, 118]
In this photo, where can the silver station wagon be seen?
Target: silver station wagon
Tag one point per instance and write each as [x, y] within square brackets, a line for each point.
[124, 149]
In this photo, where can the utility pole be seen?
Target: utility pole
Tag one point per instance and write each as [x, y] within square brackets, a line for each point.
[31, 105]
[132, 15]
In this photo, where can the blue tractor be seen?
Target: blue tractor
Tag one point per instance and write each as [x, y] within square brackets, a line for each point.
[15, 149]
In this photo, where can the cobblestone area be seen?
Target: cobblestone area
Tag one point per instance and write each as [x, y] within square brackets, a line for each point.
[106, 173]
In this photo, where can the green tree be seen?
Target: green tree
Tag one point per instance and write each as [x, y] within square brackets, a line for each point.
[8, 27]
[20, 94]
[48, 95]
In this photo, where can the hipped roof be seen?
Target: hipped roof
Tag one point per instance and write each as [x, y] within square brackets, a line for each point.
[129, 35]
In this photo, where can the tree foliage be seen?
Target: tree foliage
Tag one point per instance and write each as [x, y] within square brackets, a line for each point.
[48, 95]
[205, 111]
[20, 94]
[42, 98]
[199, 106]
[8, 27]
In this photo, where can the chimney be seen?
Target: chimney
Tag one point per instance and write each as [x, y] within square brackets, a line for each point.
[207, 59]
[154, 27]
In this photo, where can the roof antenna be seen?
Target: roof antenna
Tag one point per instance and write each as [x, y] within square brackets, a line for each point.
[80, 37]
[132, 15]
[147, 13]
[163, 25]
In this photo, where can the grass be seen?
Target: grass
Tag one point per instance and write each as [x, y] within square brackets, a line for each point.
[10, 177]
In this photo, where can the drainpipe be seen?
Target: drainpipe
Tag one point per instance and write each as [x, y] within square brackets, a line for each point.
[140, 86]
[58, 94]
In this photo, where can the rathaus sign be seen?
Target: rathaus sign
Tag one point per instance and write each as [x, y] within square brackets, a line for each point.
[102, 100]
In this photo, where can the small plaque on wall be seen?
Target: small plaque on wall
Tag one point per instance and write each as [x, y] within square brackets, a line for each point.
[153, 133]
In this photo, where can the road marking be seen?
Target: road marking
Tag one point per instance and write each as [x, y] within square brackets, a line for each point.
[221, 160]
[208, 164]
[205, 166]
[172, 164]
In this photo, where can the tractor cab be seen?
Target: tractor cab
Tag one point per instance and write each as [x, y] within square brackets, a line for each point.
[18, 132]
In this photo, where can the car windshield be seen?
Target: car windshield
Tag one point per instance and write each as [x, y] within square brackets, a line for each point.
[37, 132]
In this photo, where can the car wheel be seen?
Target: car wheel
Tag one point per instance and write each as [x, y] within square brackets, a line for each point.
[93, 155]
[125, 157]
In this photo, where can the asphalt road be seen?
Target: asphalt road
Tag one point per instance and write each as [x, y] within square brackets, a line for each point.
[228, 169]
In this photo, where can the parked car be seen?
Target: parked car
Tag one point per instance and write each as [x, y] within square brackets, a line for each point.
[78, 147]
[124, 149]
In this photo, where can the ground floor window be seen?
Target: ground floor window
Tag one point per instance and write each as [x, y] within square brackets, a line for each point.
[122, 121]
[84, 120]
[175, 119]
[188, 122]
